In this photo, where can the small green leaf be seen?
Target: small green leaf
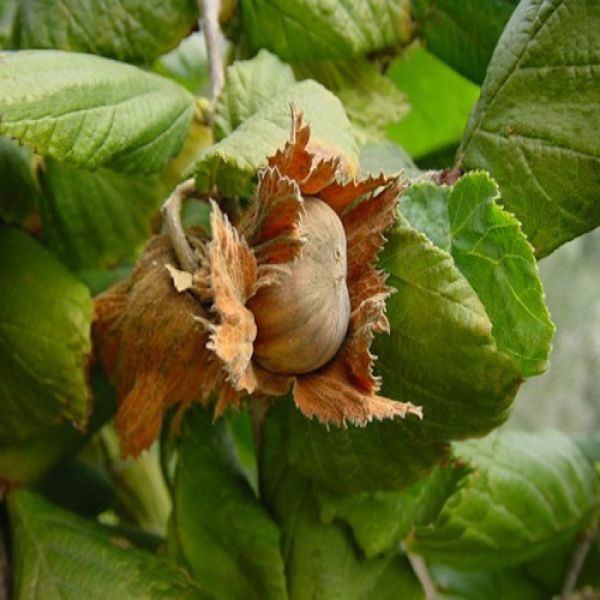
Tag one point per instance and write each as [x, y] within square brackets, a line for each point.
[57, 554]
[18, 189]
[526, 494]
[463, 33]
[45, 317]
[250, 85]
[386, 157]
[187, 65]
[127, 30]
[532, 128]
[314, 29]
[219, 528]
[371, 100]
[96, 219]
[432, 124]
[92, 111]
[490, 250]
[233, 162]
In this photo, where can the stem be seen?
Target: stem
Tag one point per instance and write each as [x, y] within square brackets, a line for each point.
[579, 556]
[171, 212]
[209, 23]
[420, 568]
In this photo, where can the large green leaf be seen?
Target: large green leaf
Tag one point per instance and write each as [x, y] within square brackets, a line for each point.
[527, 493]
[381, 456]
[534, 127]
[440, 100]
[463, 33]
[96, 219]
[129, 30]
[371, 100]
[312, 29]
[380, 520]
[440, 354]
[27, 460]
[45, 317]
[92, 111]
[57, 554]
[232, 163]
[219, 528]
[321, 560]
[18, 189]
[250, 85]
[508, 584]
[490, 250]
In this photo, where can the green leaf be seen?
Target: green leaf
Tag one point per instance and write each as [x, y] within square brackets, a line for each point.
[440, 353]
[317, 29]
[386, 157]
[219, 528]
[490, 250]
[532, 126]
[96, 219]
[463, 33]
[382, 456]
[321, 560]
[127, 30]
[27, 460]
[60, 555]
[18, 189]
[431, 125]
[371, 100]
[92, 111]
[527, 494]
[233, 162]
[8, 12]
[187, 65]
[380, 520]
[475, 585]
[45, 318]
[250, 85]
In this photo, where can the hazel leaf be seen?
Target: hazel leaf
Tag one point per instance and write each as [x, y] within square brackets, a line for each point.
[56, 555]
[92, 111]
[332, 29]
[531, 127]
[232, 163]
[127, 30]
[45, 318]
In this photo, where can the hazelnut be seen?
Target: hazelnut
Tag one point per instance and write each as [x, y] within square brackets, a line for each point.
[303, 320]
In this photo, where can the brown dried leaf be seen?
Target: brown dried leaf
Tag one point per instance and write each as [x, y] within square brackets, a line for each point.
[341, 195]
[152, 343]
[272, 225]
[233, 275]
[366, 320]
[330, 395]
[365, 226]
[311, 164]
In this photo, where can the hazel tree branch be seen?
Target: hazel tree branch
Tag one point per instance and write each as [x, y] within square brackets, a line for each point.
[209, 24]
[171, 213]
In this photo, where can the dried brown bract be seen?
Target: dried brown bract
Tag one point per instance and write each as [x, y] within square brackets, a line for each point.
[290, 296]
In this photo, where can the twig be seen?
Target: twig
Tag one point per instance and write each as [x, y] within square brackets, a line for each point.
[171, 212]
[209, 23]
[420, 568]
[579, 556]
